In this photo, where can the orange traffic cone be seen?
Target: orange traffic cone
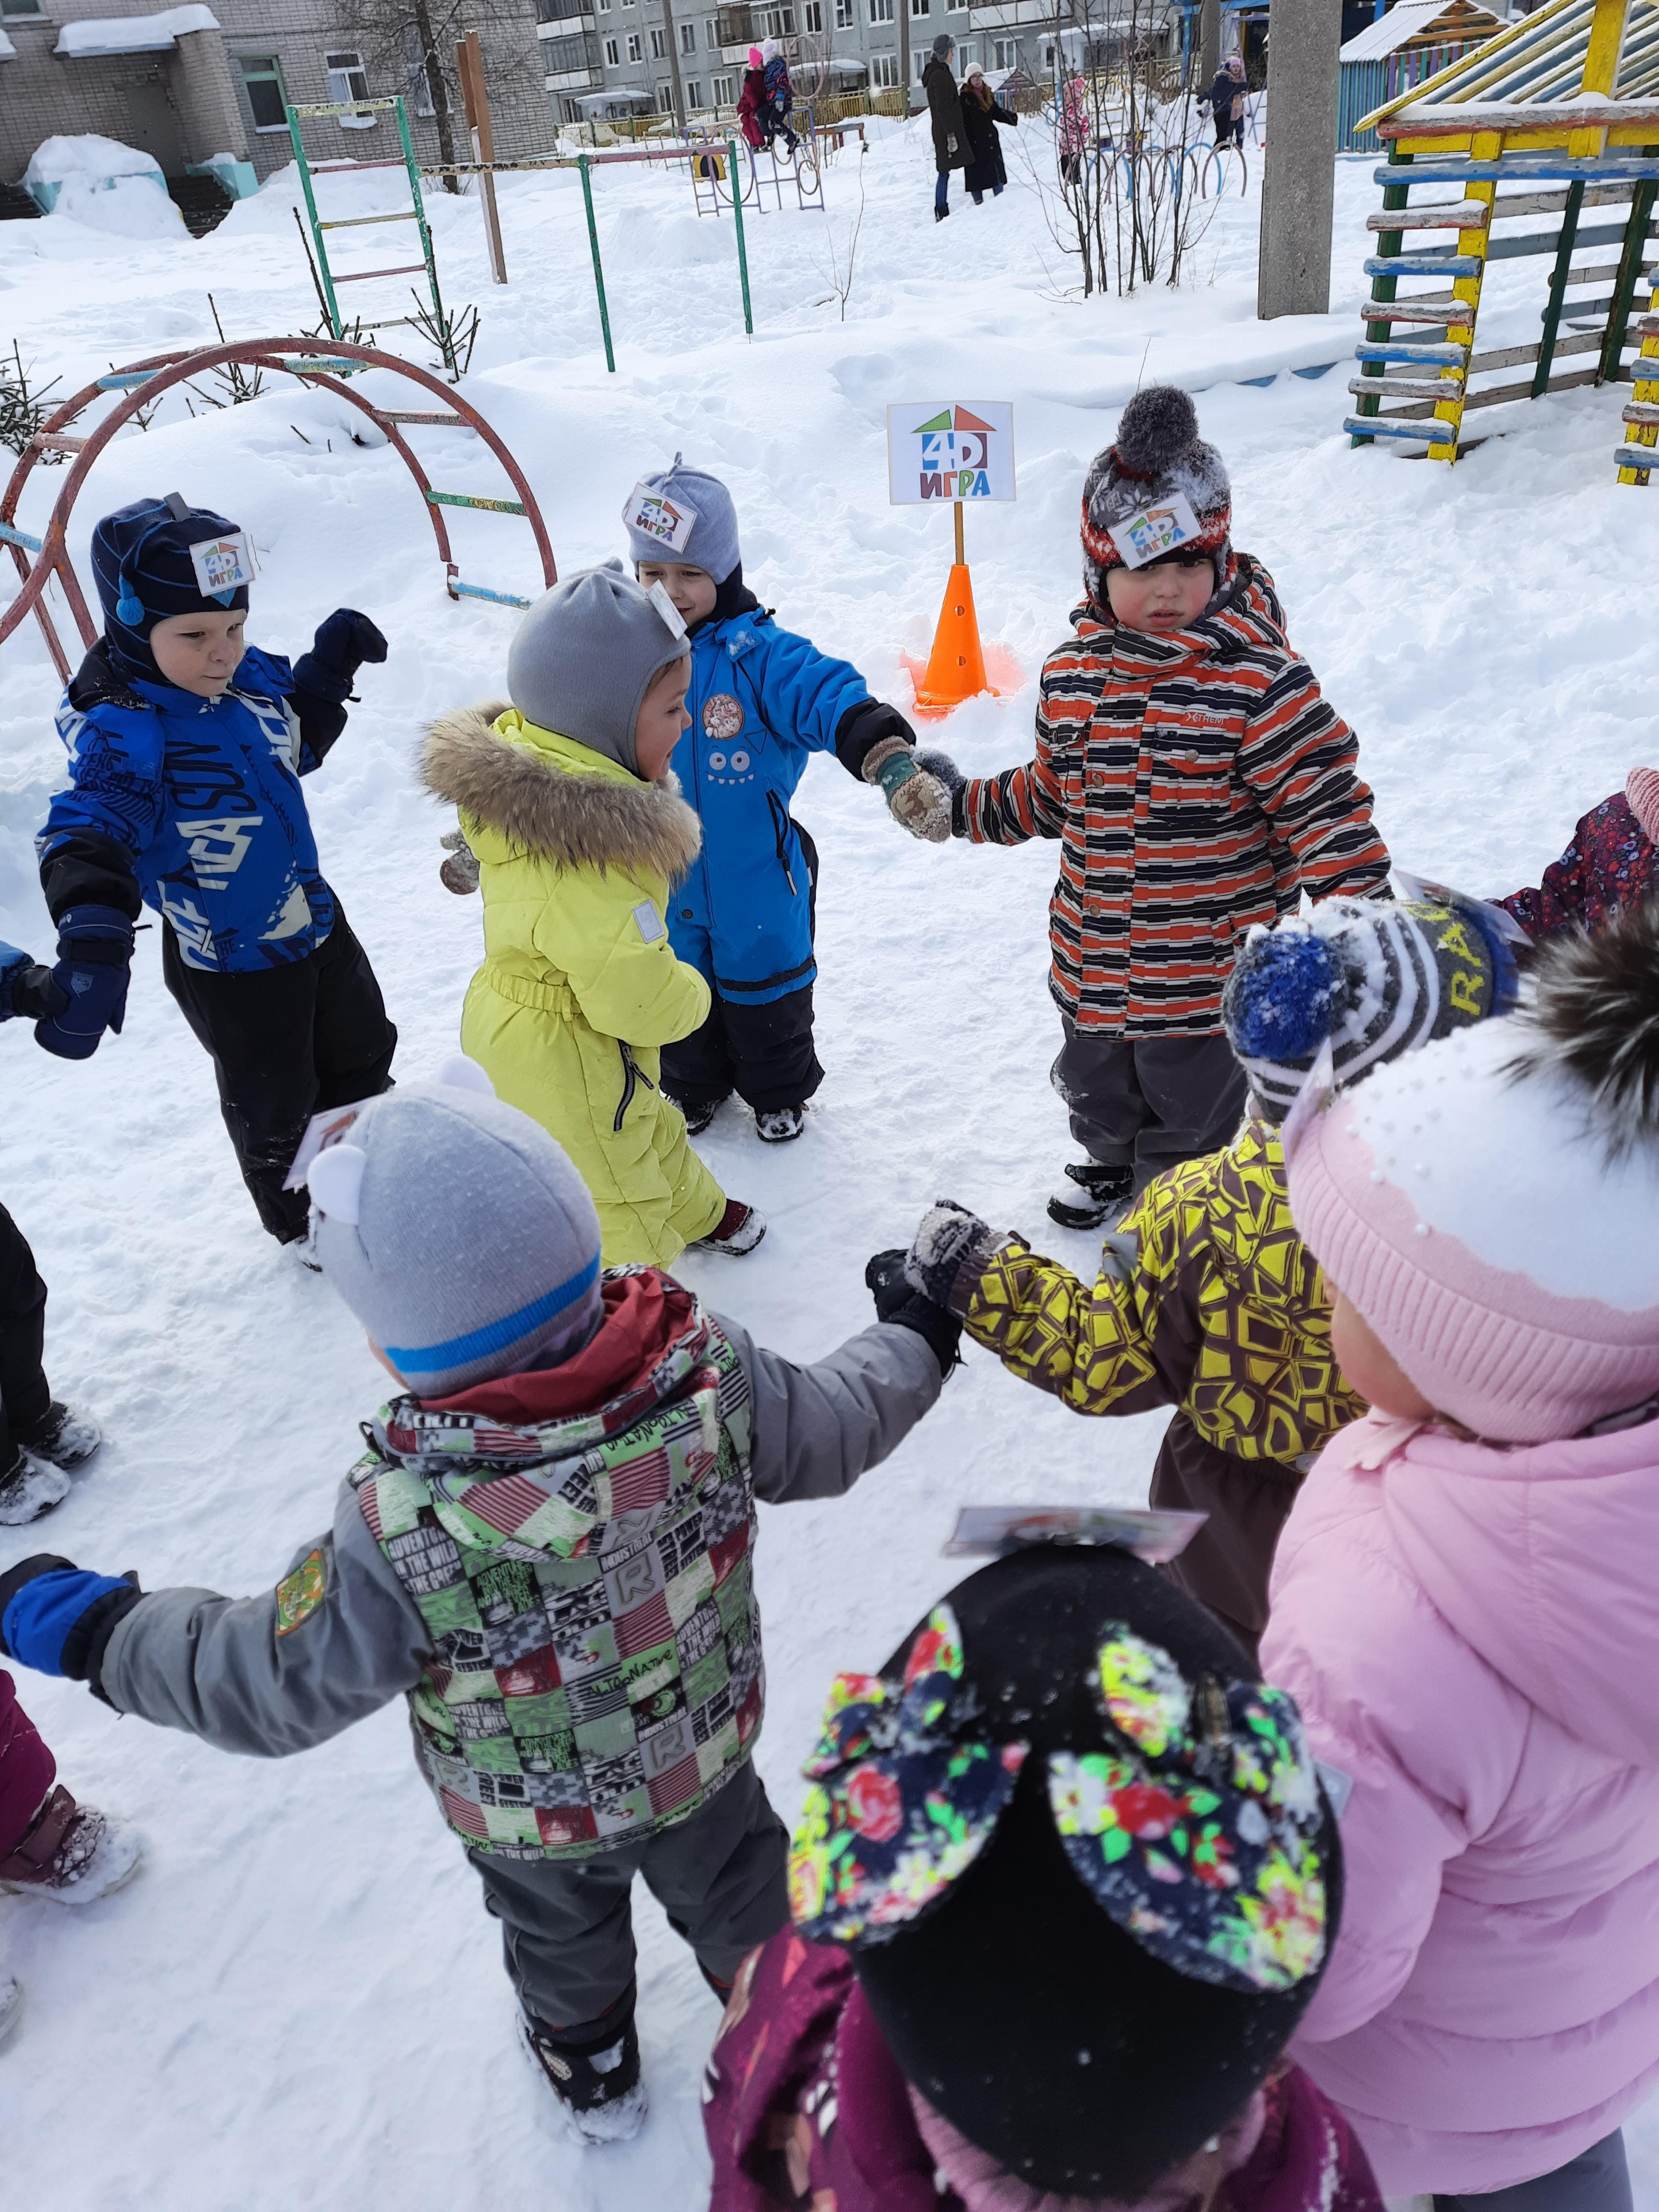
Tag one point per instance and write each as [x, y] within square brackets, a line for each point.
[956, 667]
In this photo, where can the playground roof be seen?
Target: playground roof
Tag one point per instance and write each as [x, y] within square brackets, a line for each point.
[1421, 23]
[1540, 62]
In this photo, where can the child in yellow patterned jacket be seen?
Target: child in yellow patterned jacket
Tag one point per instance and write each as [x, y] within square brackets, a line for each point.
[1207, 1299]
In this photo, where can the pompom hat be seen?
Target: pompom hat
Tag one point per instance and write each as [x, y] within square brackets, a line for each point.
[1158, 453]
[1490, 1206]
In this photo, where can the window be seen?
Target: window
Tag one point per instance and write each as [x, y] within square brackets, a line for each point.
[19, 7]
[687, 38]
[846, 14]
[693, 93]
[346, 81]
[721, 91]
[811, 15]
[658, 46]
[883, 69]
[665, 98]
[919, 7]
[634, 46]
[968, 56]
[779, 22]
[262, 81]
[881, 11]
[420, 85]
[1006, 53]
[612, 54]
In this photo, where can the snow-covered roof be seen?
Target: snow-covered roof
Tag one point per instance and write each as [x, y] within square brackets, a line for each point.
[132, 34]
[1428, 21]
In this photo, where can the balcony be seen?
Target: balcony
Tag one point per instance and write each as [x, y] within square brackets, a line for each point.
[581, 80]
[564, 27]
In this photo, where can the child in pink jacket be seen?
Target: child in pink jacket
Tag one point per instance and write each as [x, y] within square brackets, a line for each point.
[1466, 1598]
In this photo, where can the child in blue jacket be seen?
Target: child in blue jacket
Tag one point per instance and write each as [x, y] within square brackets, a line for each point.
[761, 701]
[185, 750]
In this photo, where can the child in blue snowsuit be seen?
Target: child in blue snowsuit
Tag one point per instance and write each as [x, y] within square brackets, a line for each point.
[761, 701]
[185, 750]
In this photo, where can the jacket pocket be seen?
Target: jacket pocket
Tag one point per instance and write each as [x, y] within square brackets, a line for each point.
[783, 832]
[633, 1076]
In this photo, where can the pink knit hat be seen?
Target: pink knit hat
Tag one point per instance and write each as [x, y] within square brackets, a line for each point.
[1480, 1221]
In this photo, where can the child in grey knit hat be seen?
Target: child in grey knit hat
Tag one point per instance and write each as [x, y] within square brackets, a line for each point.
[762, 702]
[574, 819]
[547, 1548]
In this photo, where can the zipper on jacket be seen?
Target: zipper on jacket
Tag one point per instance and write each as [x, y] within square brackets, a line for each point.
[633, 1076]
[780, 829]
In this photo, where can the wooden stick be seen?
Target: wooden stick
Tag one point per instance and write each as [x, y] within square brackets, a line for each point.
[962, 558]
[469, 66]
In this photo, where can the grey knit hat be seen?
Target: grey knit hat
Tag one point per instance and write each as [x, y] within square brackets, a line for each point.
[458, 1232]
[685, 515]
[944, 47]
[582, 660]
[1158, 456]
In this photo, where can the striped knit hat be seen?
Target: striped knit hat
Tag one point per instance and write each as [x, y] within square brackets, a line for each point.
[1158, 457]
[1373, 978]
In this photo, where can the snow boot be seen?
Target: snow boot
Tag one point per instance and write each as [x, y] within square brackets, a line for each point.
[11, 2006]
[28, 1488]
[697, 1117]
[68, 1437]
[738, 1229]
[597, 2083]
[782, 1124]
[940, 214]
[73, 1854]
[1093, 1197]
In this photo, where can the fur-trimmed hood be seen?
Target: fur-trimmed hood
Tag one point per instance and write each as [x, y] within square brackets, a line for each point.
[550, 797]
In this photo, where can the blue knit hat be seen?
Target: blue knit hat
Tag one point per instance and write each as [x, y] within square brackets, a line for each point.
[155, 558]
[685, 515]
[458, 1233]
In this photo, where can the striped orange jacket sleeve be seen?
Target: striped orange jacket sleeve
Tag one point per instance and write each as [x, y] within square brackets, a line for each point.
[1024, 802]
[1301, 761]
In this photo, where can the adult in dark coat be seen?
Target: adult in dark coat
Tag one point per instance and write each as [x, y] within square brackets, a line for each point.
[1227, 100]
[944, 105]
[981, 113]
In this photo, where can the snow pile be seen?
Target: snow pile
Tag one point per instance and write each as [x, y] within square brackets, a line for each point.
[136, 207]
[132, 34]
[86, 156]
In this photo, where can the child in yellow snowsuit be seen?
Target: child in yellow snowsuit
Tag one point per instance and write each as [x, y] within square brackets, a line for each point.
[566, 800]
[1207, 1299]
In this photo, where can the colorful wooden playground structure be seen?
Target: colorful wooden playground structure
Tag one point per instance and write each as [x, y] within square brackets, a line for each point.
[1555, 117]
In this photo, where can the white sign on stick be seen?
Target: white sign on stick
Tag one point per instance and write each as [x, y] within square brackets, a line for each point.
[943, 450]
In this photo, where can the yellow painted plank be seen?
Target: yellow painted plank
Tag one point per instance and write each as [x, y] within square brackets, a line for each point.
[1606, 36]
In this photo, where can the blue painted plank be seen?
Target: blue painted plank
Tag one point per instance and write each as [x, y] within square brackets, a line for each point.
[1320, 369]
[478, 592]
[1427, 432]
[1423, 265]
[1626, 458]
[1520, 168]
[1439, 356]
[11, 536]
[1259, 383]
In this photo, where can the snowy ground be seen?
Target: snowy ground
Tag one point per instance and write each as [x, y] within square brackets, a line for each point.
[301, 1995]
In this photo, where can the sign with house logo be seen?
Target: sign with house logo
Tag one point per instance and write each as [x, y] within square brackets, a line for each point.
[948, 451]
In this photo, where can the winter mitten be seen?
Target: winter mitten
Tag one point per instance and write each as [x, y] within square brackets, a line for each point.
[917, 801]
[948, 1235]
[95, 944]
[58, 1617]
[459, 872]
[344, 641]
[27, 988]
[899, 1302]
[944, 769]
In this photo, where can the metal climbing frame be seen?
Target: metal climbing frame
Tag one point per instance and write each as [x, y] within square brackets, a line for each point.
[318, 362]
[416, 213]
[718, 179]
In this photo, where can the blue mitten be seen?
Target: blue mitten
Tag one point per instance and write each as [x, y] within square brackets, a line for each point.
[344, 641]
[95, 944]
[27, 988]
[58, 1617]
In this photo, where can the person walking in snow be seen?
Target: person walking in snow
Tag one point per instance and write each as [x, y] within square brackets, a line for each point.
[1465, 1602]
[185, 747]
[547, 1547]
[982, 115]
[752, 101]
[945, 107]
[569, 804]
[1198, 783]
[1004, 1991]
[779, 95]
[762, 702]
[1228, 101]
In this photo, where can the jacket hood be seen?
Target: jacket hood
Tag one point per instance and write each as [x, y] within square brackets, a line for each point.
[1542, 1557]
[1233, 619]
[533, 792]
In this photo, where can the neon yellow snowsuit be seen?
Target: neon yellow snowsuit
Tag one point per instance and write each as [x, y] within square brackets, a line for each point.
[580, 988]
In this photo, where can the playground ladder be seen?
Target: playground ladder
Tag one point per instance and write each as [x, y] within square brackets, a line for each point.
[415, 213]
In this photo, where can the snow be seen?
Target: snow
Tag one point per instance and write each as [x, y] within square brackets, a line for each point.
[56, 160]
[8, 52]
[132, 34]
[302, 1979]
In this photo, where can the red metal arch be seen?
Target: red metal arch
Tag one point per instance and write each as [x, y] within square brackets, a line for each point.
[161, 374]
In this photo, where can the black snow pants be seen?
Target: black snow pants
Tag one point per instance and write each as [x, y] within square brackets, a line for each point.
[286, 1043]
[25, 1395]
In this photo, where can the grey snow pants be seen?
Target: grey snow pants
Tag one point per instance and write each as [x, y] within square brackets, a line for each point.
[1597, 2180]
[1148, 1102]
[567, 1926]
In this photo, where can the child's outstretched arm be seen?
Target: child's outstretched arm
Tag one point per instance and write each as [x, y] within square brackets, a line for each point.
[337, 1638]
[95, 829]
[1024, 802]
[1301, 760]
[323, 679]
[1560, 901]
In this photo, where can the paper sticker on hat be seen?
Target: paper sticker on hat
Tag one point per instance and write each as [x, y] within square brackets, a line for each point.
[659, 598]
[222, 565]
[322, 1131]
[655, 515]
[1154, 530]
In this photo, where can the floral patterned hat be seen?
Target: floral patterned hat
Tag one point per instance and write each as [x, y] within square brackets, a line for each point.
[1084, 1859]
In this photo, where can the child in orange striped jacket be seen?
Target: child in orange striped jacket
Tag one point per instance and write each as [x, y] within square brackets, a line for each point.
[1198, 782]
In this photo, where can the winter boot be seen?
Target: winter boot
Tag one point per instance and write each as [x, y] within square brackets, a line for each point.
[73, 1854]
[28, 1488]
[697, 1117]
[1092, 1195]
[598, 2083]
[738, 1229]
[940, 214]
[68, 1437]
[11, 2005]
[782, 1124]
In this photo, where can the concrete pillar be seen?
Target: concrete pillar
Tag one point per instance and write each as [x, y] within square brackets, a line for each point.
[1209, 45]
[204, 92]
[1293, 269]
